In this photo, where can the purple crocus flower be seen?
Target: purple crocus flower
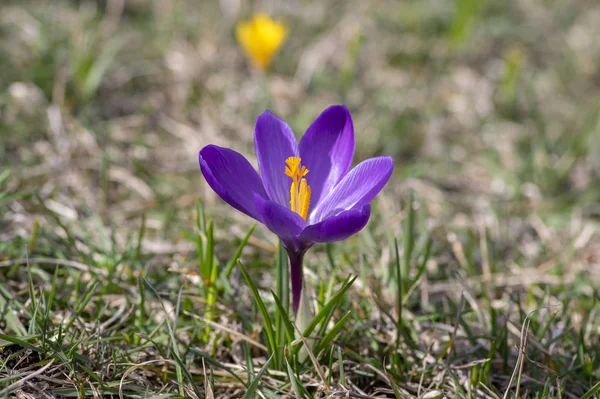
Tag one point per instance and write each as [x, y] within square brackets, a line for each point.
[306, 192]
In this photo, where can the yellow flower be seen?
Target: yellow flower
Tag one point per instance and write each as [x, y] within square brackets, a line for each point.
[260, 39]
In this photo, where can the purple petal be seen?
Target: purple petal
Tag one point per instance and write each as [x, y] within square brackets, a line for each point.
[356, 189]
[232, 177]
[327, 149]
[274, 142]
[339, 227]
[279, 219]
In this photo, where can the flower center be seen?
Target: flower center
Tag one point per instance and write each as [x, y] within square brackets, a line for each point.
[299, 190]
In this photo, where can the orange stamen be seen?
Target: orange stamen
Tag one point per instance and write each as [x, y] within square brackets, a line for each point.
[299, 189]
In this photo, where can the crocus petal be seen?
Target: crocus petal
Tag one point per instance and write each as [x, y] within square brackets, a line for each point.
[274, 142]
[286, 224]
[232, 177]
[327, 149]
[339, 227]
[357, 188]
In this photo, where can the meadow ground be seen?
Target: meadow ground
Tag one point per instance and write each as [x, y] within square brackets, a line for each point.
[476, 277]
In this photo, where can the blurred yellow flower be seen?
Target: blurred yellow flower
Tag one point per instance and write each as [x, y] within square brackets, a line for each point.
[261, 38]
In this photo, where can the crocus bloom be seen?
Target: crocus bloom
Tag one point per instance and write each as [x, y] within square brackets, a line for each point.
[306, 192]
[261, 38]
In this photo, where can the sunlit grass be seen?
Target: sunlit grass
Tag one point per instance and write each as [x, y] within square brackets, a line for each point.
[122, 274]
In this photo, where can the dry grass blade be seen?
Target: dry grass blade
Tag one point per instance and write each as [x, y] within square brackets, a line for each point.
[313, 359]
[137, 366]
[517, 371]
[23, 380]
[229, 331]
[208, 391]
[53, 261]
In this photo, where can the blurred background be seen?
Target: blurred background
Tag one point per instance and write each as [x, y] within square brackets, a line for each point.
[489, 108]
[104, 104]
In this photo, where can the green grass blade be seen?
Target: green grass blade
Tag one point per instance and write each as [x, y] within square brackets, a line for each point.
[263, 311]
[86, 298]
[34, 236]
[18, 341]
[341, 366]
[200, 216]
[283, 287]
[592, 391]
[333, 302]
[140, 239]
[399, 293]
[215, 363]
[91, 81]
[254, 384]
[289, 328]
[230, 265]
[10, 318]
[208, 261]
[174, 348]
[325, 341]
[296, 384]
[408, 243]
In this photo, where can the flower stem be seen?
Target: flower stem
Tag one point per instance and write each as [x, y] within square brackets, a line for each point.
[297, 278]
